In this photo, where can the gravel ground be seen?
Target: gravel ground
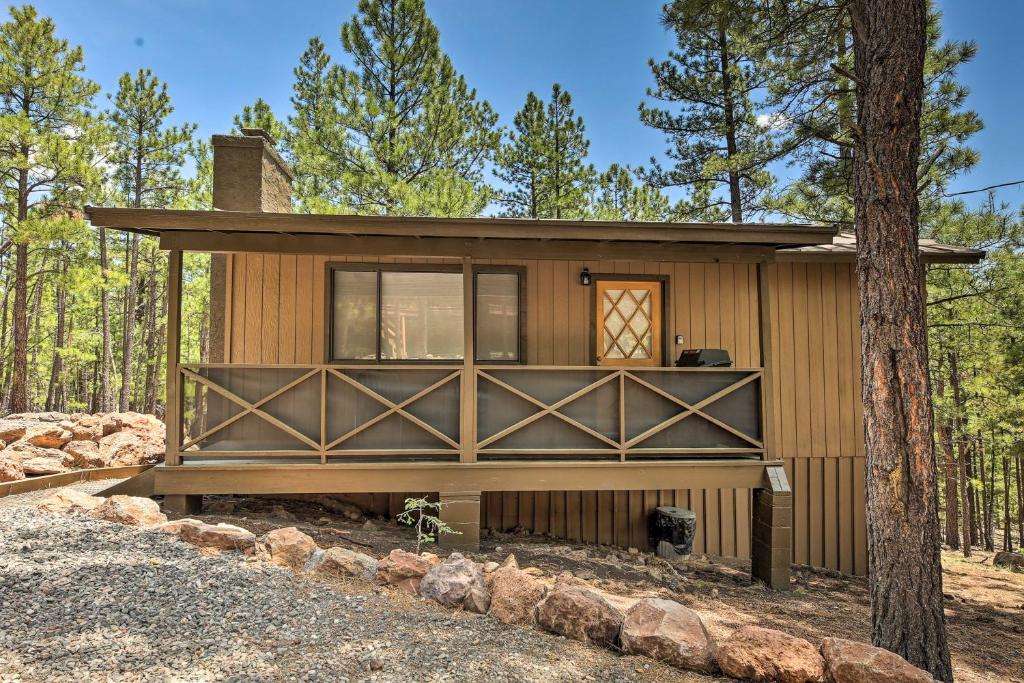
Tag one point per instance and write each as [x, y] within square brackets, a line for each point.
[84, 600]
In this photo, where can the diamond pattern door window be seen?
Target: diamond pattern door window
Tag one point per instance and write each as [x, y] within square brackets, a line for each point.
[629, 322]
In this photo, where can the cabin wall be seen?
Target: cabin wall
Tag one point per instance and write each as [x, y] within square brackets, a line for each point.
[275, 309]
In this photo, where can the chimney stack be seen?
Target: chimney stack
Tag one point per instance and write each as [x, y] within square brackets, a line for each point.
[249, 174]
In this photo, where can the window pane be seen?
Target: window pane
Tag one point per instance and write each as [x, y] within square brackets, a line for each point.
[421, 316]
[355, 315]
[497, 317]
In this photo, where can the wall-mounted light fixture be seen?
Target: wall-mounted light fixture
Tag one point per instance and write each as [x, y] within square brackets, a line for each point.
[585, 277]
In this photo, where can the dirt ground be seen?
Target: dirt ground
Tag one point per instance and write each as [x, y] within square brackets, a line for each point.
[984, 604]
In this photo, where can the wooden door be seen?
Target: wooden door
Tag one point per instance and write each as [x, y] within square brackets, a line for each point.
[628, 322]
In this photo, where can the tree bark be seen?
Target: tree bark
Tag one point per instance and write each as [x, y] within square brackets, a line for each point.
[106, 401]
[902, 490]
[130, 304]
[1007, 489]
[952, 499]
[986, 498]
[728, 112]
[1020, 501]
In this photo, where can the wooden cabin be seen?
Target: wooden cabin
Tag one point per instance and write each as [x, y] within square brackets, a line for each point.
[524, 370]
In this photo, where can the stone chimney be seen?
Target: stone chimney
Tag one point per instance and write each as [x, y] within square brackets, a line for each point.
[249, 174]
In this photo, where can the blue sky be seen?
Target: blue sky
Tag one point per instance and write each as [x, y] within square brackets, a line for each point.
[217, 55]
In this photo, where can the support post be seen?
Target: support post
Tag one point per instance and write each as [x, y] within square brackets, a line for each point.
[772, 536]
[461, 511]
[172, 416]
[468, 382]
[183, 505]
[764, 328]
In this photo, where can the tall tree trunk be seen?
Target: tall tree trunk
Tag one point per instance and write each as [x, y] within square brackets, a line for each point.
[952, 499]
[1020, 500]
[130, 304]
[986, 497]
[1007, 490]
[106, 399]
[4, 338]
[972, 492]
[54, 391]
[904, 563]
[965, 486]
[728, 112]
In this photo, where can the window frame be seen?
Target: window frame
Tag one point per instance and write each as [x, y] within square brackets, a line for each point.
[520, 273]
[378, 269]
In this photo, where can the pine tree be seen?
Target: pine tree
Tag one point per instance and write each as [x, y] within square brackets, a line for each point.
[48, 141]
[718, 146]
[814, 92]
[147, 157]
[260, 115]
[543, 161]
[618, 197]
[400, 132]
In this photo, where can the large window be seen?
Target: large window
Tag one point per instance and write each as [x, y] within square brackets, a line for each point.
[381, 314]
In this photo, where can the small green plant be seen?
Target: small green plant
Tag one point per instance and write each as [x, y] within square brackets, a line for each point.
[424, 516]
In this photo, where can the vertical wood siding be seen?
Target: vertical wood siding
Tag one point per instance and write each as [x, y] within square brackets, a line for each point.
[275, 314]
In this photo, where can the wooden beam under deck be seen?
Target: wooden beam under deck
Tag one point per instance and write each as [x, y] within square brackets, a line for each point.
[268, 478]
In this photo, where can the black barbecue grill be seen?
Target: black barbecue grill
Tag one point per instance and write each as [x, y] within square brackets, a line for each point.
[704, 358]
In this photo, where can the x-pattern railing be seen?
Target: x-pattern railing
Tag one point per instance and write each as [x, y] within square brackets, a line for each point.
[624, 445]
[323, 446]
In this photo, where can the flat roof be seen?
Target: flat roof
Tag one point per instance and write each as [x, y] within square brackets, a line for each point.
[295, 232]
[156, 221]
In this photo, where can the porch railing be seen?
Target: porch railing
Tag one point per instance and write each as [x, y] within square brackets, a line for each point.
[331, 413]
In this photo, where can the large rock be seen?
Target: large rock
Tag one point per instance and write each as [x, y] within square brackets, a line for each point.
[342, 562]
[49, 416]
[515, 595]
[38, 461]
[289, 547]
[221, 536]
[12, 430]
[456, 582]
[46, 435]
[849, 661]
[1013, 560]
[70, 500]
[86, 427]
[85, 454]
[669, 632]
[10, 467]
[131, 510]
[753, 653]
[403, 570]
[130, 448]
[580, 614]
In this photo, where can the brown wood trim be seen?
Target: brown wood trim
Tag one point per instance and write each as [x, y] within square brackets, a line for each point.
[156, 220]
[175, 396]
[210, 477]
[436, 247]
[666, 358]
[50, 481]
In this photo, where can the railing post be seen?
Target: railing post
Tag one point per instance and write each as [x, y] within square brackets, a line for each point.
[172, 408]
[468, 380]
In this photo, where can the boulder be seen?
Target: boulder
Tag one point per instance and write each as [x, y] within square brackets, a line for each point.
[515, 595]
[669, 632]
[849, 661]
[131, 510]
[1013, 560]
[12, 430]
[85, 454]
[580, 614]
[220, 536]
[289, 547]
[10, 467]
[342, 562]
[46, 435]
[130, 448]
[403, 570]
[49, 416]
[753, 653]
[39, 461]
[86, 427]
[70, 500]
[454, 581]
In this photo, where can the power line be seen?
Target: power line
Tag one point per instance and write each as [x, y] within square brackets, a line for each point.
[984, 189]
